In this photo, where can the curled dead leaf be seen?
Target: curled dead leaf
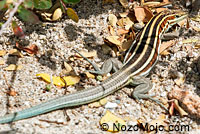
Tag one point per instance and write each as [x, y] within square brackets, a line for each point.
[179, 109]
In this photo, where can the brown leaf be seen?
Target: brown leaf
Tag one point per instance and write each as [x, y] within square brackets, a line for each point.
[15, 52]
[111, 30]
[2, 52]
[114, 40]
[127, 23]
[89, 75]
[123, 15]
[68, 68]
[143, 14]
[88, 54]
[120, 22]
[179, 109]
[122, 31]
[171, 108]
[2, 62]
[158, 10]
[188, 100]
[57, 14]
[32, 49]
[165, 52]
[12, 93]
[124, 3]
[13, 67]
[165, 45]
[112, 20]
[156, 4]
[126, 45]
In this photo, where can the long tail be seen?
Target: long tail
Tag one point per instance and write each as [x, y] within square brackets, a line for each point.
[79, 98]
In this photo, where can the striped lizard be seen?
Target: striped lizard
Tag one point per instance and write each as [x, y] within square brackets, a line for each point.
[144, 54]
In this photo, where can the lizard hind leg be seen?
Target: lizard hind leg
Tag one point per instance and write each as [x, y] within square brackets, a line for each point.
[143, 85]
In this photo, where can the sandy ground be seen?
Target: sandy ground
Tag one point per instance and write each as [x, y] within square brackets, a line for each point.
[56, 41]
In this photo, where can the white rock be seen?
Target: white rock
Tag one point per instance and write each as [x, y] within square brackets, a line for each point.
[110, 105]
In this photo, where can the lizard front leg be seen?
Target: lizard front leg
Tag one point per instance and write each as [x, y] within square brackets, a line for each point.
[142, 86]
[109, 65]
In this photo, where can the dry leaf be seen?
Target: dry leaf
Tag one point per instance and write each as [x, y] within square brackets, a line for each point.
[124, 3]
[13, 67]
[171, 108]
[197, 46]
[123, 15]
[15, 52]
[56, 80]
[165, 53]
[87, 54]
[158, 122]
[126, 45]
[2, 52]
[122, 31]
[196, 28]
[89, 75]
[114, 40]
[32, 49]
[98, 103]
[190, 41]
[127, 23]
[103, 101]
[143, 14]
[165, 45]
[120, 22]
[111, 30]
[2, 62]
[57, 14]
[112, 20]
[158, 10]
[72, 15]
[179, 109]
[189, 101]
[68, 68]
[12, 93]
[156, 4]
[179, 81]
[196, 18]
[71, 80]
[111, 119]
[94, 105]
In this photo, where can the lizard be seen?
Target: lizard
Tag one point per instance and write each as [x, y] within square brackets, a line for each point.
[144, 55]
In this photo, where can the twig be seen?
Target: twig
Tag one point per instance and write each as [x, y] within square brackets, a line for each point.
[10, 16]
